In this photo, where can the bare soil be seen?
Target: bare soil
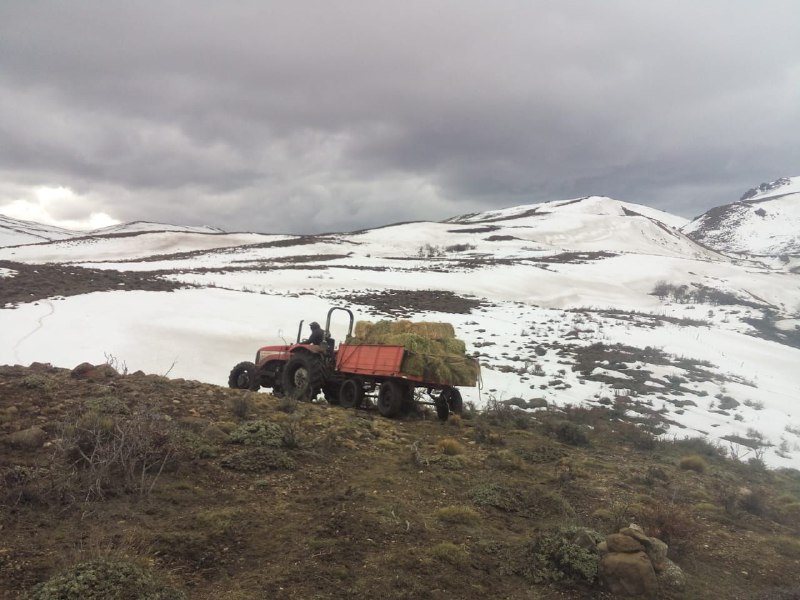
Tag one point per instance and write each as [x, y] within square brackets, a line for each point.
[37, 282]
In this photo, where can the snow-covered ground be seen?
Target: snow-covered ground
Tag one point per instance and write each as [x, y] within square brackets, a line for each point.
[548, 288]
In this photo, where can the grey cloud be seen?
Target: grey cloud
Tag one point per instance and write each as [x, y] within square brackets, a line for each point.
[290, 116]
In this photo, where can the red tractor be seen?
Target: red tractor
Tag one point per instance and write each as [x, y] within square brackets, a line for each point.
[346, 375]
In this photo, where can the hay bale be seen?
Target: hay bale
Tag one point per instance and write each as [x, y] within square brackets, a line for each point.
[432, 350]
[454, 346]
[435, 331]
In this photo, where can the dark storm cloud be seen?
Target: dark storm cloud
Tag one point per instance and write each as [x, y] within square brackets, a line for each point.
[311, 116]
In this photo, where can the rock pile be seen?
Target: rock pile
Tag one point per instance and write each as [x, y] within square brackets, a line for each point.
[633, 564]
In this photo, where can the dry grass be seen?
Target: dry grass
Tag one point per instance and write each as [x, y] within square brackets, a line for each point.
[449, 446]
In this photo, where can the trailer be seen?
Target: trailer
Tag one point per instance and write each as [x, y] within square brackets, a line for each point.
[351, 373]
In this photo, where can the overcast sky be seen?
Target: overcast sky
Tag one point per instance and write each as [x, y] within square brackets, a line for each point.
[308, 116]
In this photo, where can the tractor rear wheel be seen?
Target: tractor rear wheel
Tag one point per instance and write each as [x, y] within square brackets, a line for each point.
[351, 394]
[303, 377]
[244, 377]
[391, 397]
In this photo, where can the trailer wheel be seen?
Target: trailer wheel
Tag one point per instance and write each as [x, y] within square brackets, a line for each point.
[351, 394]
[391, 397]
[243, 377]
[302, 377]
[449, 401]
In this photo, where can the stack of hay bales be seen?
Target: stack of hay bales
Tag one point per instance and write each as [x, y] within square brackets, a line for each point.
[432, 350]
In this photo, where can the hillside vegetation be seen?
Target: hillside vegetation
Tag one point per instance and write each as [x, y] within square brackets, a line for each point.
[160, 488]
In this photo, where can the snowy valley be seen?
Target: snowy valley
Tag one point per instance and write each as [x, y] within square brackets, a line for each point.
[583, 301]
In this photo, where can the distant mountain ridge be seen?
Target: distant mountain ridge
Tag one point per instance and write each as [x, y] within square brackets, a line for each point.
[17, 232]
[764, 222]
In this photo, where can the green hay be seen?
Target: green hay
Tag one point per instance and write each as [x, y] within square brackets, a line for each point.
[432, 350]
[368, 331]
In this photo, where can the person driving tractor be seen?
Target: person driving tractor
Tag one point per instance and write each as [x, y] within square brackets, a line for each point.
[317, 335]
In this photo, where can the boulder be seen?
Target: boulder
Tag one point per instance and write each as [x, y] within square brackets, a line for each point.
[671, 577]
[655, 548]
[629, 573]
[31, 438]
[94, 372]
[618, 542]
[657, 551]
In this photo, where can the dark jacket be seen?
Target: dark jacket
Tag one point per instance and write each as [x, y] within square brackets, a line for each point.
[316, 337]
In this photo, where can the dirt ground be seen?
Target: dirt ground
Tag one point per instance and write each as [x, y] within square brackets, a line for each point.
[346, 504]
[36, 282]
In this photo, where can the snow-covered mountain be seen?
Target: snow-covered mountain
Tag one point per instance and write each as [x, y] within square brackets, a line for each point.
[584, 301]
[147, 226]
[14, 231]
[764, 222]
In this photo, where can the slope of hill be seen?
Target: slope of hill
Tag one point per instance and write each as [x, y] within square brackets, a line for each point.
[765, 222]
[573, 302]
[147, 487]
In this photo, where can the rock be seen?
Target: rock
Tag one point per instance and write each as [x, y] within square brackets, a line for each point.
[655, 548]
[602, 548]
[94, 373]
[636, 533]
[31, 438]
[671, 577]
[81, 370]
[618, 542]
[46, 367]
[537, 403]
[629, 573]
[657, 551]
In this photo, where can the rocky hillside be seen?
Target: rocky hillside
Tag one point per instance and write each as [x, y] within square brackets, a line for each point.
[187, 490]
[764, 222]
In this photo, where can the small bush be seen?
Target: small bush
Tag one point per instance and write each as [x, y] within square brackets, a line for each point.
[259, 460]
[106, 454]
[693, 462]
[697, 445]
[36, 381]
[506, 461]
[753, 501]
[258, 433]
[457, 515]
[105, 580]
[554, 556]
[631, 433]
[450, 553]
[494, 495]
[570, 433]
[449, 446]
[672, 524]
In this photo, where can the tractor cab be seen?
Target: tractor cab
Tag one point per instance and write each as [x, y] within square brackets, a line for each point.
[267, 368]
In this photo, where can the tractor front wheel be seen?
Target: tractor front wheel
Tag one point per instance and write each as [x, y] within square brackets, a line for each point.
[391, 397]
[244, 377]
[303, 377]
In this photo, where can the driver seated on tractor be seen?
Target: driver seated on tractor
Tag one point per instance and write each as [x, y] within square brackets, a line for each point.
[317, 335]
